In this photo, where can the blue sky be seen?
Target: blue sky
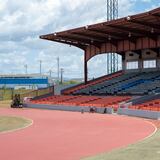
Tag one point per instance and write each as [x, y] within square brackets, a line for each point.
[22, 21]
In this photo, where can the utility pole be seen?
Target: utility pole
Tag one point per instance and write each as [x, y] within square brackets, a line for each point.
[50, 73]
[112, 58]
[58, 69]
[26, 69]
[40, 67]
[62, 71]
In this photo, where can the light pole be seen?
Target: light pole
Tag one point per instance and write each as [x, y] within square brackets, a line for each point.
[62, 71]
[58, 69]
[40, 67]
[26, 67]
[50, 73]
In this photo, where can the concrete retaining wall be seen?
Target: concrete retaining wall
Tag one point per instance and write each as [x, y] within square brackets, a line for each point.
[139, 113]
[68, 108]
[121, 111]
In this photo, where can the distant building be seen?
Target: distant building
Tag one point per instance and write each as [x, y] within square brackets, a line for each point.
[32, 81]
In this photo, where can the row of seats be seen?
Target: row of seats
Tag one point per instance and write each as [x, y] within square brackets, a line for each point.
[150, 83]
[153, 105]
[139, 83]
[92, 83]
[97, 101]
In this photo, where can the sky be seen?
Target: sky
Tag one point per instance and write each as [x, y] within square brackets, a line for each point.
[23, 21]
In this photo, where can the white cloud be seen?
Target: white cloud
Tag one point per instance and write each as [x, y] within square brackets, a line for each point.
[74, 4]
[27, 17]
[21, 23]
[3, 5]
[146, 1]
[12, 62]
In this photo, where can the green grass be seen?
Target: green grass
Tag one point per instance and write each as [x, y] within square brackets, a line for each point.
[148, 149]
[9, 123]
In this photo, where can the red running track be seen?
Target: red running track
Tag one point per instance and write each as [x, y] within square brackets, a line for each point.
[57, 135]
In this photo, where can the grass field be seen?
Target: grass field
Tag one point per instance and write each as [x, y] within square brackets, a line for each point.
[8, 123]
[148, 149]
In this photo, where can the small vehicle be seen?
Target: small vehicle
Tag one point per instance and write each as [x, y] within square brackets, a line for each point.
[16, 102]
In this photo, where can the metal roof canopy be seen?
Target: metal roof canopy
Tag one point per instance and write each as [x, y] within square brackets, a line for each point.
[128, 28]
[131, 33]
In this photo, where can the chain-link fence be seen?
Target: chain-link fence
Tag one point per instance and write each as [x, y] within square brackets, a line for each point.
[8, 94]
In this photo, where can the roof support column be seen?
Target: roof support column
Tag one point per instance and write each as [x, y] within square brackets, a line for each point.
[85, 69]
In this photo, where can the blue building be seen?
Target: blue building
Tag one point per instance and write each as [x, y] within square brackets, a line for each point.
[24, 81]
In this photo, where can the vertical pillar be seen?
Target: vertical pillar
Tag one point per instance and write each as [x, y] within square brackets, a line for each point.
[140, 61]
[124, 64]
[85, 69]
[158, 59]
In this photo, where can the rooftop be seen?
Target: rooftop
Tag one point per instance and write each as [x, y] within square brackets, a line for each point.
[127, 28]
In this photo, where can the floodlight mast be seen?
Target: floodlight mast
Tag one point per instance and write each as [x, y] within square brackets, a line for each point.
[112, 58]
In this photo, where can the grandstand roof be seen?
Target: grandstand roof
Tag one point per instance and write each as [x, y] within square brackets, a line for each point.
[112, 32]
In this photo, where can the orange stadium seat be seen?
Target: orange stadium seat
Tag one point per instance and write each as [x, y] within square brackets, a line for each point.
[97, 101]
[153, 105]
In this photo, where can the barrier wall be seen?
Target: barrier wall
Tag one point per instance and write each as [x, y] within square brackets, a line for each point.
[139, 113]
[121, 111]
[68, 108]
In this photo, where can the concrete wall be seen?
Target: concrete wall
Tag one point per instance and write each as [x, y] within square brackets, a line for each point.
[121, 111]
[140, 57]
[67, 108]
[134, 56]
[139, 113]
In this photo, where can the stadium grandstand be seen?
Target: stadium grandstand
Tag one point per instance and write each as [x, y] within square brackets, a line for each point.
[113, 117]
[135, 90]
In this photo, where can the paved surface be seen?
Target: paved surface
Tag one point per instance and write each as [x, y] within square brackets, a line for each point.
[57, 135]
